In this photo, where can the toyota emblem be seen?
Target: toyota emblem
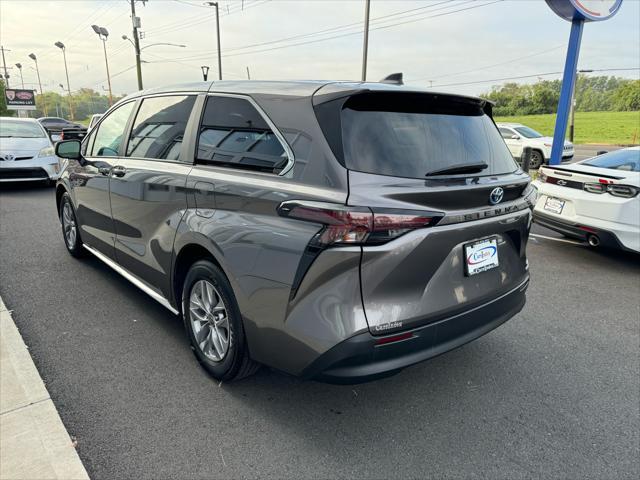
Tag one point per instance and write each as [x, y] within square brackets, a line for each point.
[496, 195]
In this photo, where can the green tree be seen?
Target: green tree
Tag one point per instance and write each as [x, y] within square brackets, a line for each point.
[4, 111]
[627, 96]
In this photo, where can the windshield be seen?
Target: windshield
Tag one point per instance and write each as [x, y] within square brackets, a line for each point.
[413, 135]
[528, 132]
[12, 128]
[627, 159]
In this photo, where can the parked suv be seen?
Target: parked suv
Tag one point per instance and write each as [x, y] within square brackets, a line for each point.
[337, 231]
[518, 136]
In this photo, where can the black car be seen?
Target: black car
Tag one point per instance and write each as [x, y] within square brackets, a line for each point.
[56, 124]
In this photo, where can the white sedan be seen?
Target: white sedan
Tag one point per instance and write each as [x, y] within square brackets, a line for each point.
[596, 200]
[26, 152]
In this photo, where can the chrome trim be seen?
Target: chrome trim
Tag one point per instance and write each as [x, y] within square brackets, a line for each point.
[138, 283]
[496, 211]
[274, 129]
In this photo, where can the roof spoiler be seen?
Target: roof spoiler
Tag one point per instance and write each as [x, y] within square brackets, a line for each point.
[394, 79]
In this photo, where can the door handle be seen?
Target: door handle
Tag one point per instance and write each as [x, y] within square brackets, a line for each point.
[104, 170]
[118, 171]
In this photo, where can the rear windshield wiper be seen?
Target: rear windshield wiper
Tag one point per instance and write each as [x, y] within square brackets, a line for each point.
[459, 168]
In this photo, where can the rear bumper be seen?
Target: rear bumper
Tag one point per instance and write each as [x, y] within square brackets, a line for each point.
[580, 232]
[361, 359]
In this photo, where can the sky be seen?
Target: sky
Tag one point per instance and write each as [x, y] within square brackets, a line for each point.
[462, 46]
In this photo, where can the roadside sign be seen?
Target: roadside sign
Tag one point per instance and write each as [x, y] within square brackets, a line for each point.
[587, 10]
[20, 99]
[577, 12]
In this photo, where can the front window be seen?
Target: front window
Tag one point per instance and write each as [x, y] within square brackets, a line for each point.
[159, 127]
[415, 135]
[110, 133]
[627, 160]
[528, 132]
[13, 128]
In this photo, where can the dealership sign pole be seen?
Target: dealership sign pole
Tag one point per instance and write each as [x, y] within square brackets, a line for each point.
[577, 12]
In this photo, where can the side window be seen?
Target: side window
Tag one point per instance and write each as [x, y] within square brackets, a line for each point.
[159, 127]
[234, 134]
[506, 134]
[109, 135]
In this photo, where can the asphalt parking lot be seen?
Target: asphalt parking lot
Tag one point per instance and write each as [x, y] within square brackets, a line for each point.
[555, 392]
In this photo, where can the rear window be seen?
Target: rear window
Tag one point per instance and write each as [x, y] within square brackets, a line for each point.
[627, 160]
[409, 135]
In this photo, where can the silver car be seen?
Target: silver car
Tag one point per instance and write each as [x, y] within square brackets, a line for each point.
[26, 152]
[331, 230]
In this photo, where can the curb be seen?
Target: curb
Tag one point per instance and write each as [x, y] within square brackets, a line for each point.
[34, 443]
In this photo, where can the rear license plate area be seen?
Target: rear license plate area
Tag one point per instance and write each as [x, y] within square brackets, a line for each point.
[481, 256]
[554, 205]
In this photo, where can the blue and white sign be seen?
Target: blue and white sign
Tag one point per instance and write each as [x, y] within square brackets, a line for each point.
[577, 12]
[587, 10]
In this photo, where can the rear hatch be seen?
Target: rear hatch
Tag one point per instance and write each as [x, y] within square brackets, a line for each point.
[441, 154]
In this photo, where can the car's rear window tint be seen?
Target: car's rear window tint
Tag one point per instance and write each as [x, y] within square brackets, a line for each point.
[627, 160]
[409, 135]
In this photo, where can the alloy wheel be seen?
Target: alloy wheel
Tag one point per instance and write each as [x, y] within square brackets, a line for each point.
[209, 320]
[69, 225]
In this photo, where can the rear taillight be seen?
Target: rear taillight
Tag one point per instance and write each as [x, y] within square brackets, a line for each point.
[357, 225]
[595, 187]
[624, 191]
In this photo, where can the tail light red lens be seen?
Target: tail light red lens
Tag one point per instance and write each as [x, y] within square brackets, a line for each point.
[356, 225]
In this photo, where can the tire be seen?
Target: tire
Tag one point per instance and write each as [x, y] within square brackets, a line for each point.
[537, 159]
[213, 323]
[70, 230]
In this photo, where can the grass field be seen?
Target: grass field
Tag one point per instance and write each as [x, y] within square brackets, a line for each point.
[615, 128]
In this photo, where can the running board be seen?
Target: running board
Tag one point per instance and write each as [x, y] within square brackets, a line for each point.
[138, 283]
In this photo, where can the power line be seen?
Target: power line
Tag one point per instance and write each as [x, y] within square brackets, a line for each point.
[520, 77]
[490, 66]
[182, 24]
[195, 57]
[337, 28]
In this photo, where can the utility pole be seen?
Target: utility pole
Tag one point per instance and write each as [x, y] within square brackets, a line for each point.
[4, 65]
[33, 57]
[215, 4]
[248, 74]
[365, 46]
[136, 41]
[572, 107]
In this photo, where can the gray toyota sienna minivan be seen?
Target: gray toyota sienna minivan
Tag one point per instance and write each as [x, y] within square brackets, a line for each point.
[332, 230]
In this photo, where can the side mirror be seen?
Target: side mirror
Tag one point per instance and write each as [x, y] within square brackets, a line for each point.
[69, 149]
[515, 137]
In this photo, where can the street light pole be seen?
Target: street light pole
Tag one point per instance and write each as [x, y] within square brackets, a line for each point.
[215, 4]
[205, 72]
[103, 33]
[365, 46]
[136, 41]
[19, 65]
[33, 57]
[61, 46]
